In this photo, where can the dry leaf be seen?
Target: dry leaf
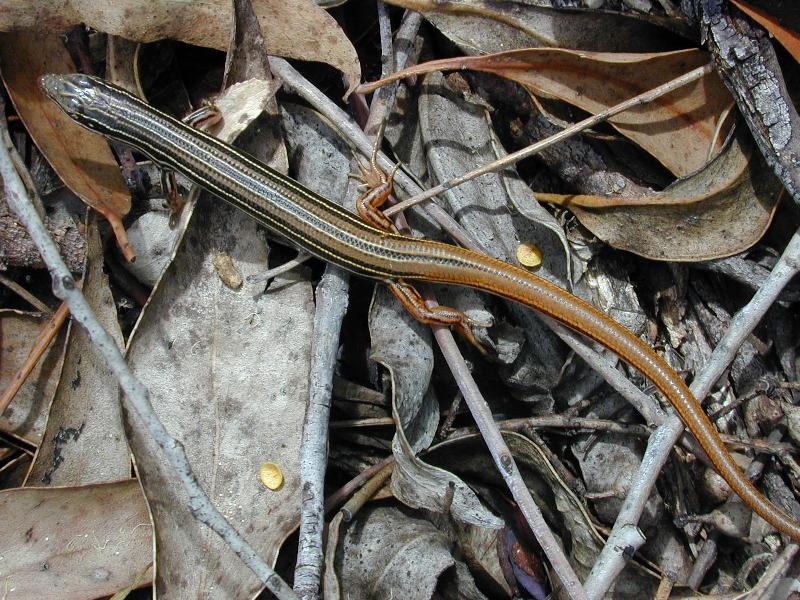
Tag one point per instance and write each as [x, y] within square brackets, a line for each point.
[483, 26]
[679, 129]
[84, 441]
[721, 210]
[387, 553]
[73, 543]
[292, 28]
[402, 346]
[228, 376]
[82, 159]
[27, 414]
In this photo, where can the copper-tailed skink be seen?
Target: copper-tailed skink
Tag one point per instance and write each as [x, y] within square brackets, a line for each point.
[334, 234]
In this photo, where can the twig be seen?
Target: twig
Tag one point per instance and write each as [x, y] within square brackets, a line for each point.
[517, 156]
[331, 294]
[369, 422]
[42, 343]
[706, 557]
[23, 293]
[356, 482]
[331, 307]
[626, 534]
[662, 442]
[370, 488]
[136, 394]
[504, 461]
[562, 422]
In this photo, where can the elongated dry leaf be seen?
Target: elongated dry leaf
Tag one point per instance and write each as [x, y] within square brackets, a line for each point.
[678, 129]
[482, 26]
[73, 543]
[721, 210]
[82, 159]
[292, 28]
[84, 441]
[402, 345]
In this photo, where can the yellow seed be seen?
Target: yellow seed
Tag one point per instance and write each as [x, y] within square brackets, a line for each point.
[529, 255]
[271, 476]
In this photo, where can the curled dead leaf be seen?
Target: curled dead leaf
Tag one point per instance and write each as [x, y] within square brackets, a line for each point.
[484, 26]
[679, 129]
[721, 210]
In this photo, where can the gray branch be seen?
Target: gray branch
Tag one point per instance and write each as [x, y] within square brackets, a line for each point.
[136, 394]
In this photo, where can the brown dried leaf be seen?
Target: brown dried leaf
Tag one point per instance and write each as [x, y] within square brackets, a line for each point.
[679, 129]
[292, 28]
[80, 542]
[721, 210]
[484, 26]
[82, 159]
[388, 553]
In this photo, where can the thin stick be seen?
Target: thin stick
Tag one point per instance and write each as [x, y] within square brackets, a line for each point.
[356, 482]
[23, 293]
[504, 460]
[332, 300]
[136, 394]
[365, 493]
[331, 307]
[517, 156]
[661, 443]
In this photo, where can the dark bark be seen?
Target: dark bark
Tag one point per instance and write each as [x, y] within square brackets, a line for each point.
[748, 65]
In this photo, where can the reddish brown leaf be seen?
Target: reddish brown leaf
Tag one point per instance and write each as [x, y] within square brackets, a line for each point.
[679, 128]
[721, 210]
[82, 159]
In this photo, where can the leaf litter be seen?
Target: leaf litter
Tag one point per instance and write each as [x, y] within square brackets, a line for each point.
[227, 365]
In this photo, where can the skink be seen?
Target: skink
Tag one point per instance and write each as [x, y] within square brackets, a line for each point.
[331, 233]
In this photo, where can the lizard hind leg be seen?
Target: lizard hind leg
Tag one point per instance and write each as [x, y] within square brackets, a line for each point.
[414, 303]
